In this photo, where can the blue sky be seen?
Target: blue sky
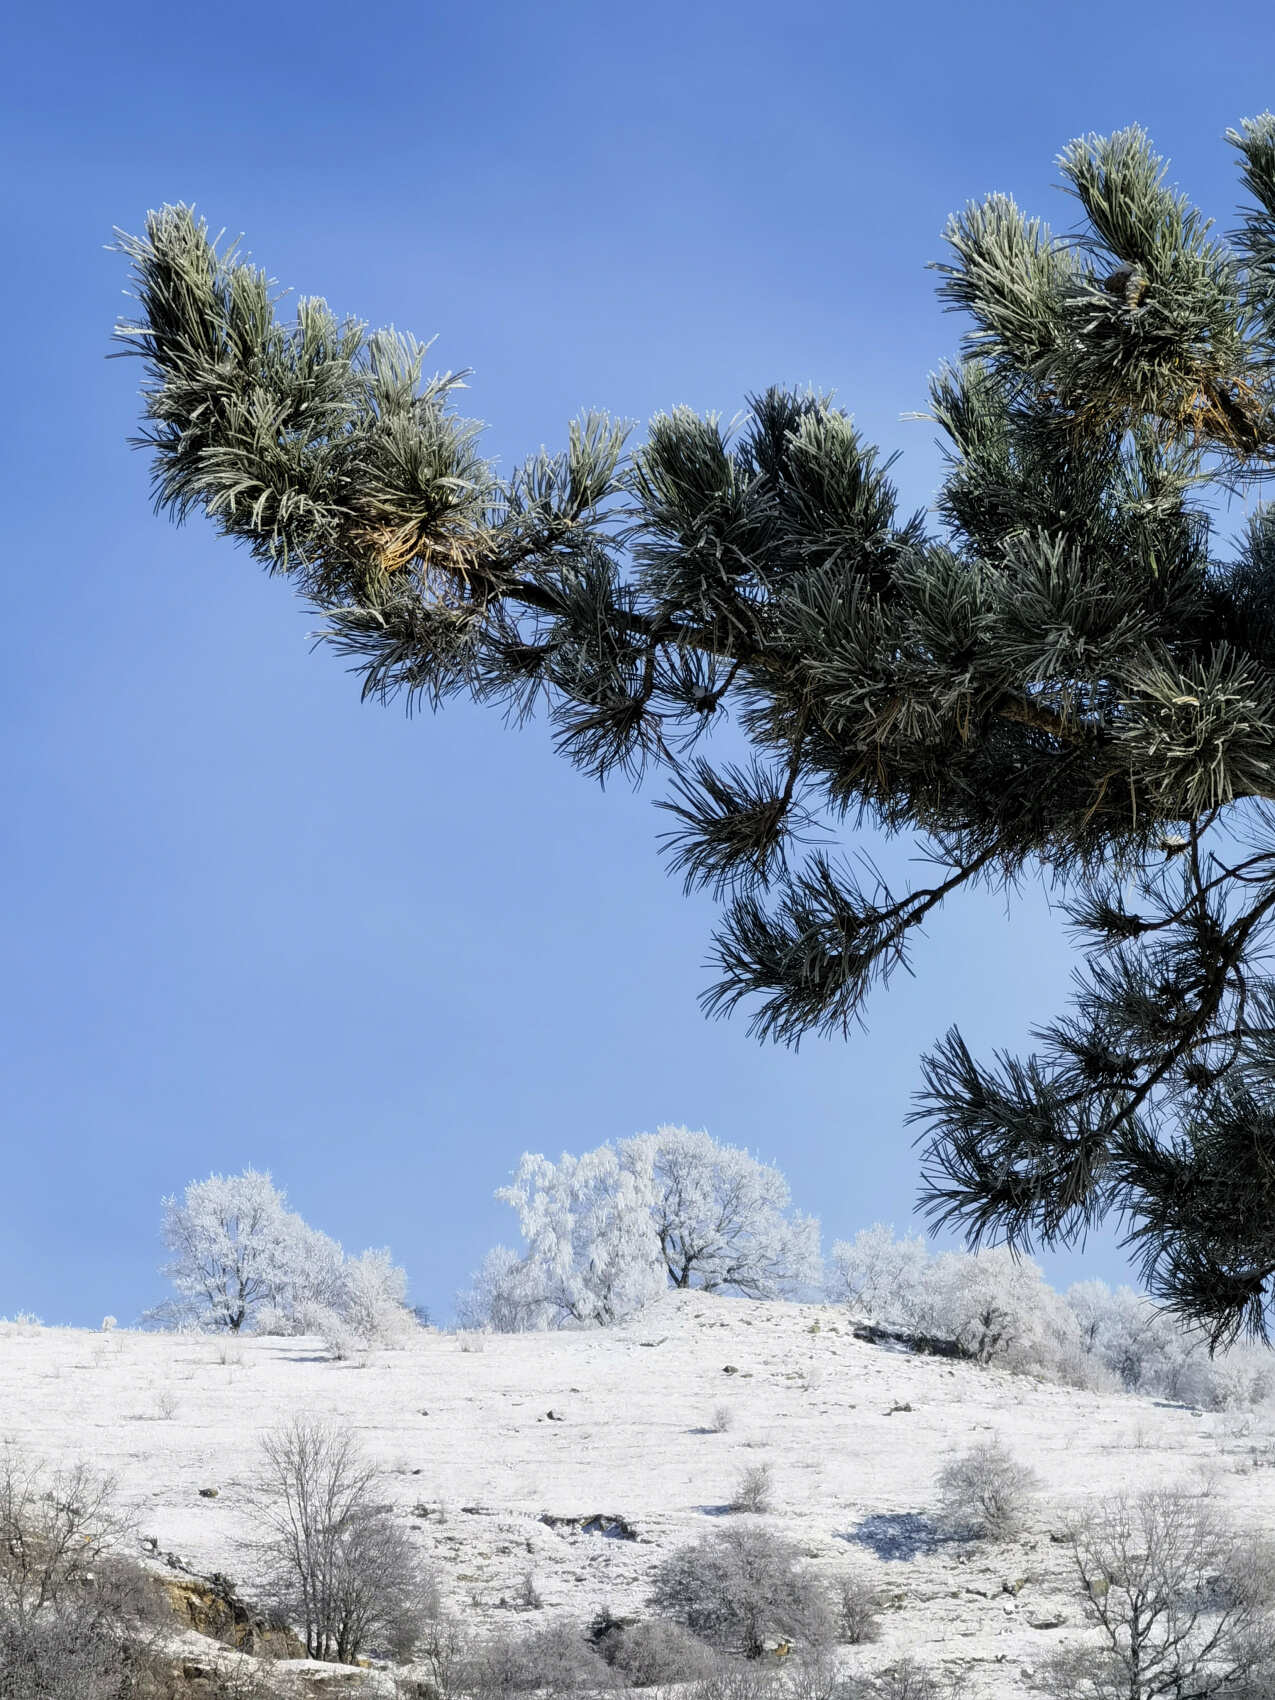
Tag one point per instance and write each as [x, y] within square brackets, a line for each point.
[251, 921]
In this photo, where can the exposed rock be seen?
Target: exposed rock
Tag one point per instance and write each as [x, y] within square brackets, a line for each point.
[209, 1493]
[925, 1345]
[598, 1523]
[1047, 1620]
[211, 1606]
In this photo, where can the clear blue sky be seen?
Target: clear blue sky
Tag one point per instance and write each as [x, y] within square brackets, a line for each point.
[250, 921]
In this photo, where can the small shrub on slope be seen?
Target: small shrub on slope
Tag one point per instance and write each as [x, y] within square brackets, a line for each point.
[858, 1604]
[755, 1490]
[654, 1652]
[556, 1659]
[985, 1493]
[741, 1587]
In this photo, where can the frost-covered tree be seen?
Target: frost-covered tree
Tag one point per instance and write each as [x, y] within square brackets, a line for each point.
[1148, 1350]
[723, 1218]
[609, 1231]
[242, 1259]
[234, 1244]
[311, 1283]
[1124, 1331]
[592, 1253]
[500, 1295]
[999, 1307]
[881, 1277]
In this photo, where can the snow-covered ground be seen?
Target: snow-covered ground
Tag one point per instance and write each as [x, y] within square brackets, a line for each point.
[855, 1435]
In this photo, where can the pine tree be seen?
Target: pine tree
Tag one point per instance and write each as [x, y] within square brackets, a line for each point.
[1069, 678]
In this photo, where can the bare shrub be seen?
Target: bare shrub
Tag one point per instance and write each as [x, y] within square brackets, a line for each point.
[1183, 1601]
[164, 1406]
[556, 1658]
[985, 1493]
[55, 1527]
[904, 1680]
[442, 1651]
[729, 1679]
[341, 1567]
[108, 1636]
[741, 1587]
[858, 1605]
[651, 1652]
[55, 1656]
[723, 1419]
[755, 1489]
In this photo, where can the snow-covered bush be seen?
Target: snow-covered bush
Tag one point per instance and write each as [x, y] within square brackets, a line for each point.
[742, 1586]
[609, 1231]
[985, 1493]
[903, 1680]
[21, 1322]
[651, 1653]
[654, 1653]
[555, 1659]
[59, 1656]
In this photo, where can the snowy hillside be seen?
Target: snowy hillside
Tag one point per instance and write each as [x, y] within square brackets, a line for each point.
[497, 1456]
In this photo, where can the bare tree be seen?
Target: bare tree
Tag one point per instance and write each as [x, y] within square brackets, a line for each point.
[1183, 1601]
[340, 1565]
